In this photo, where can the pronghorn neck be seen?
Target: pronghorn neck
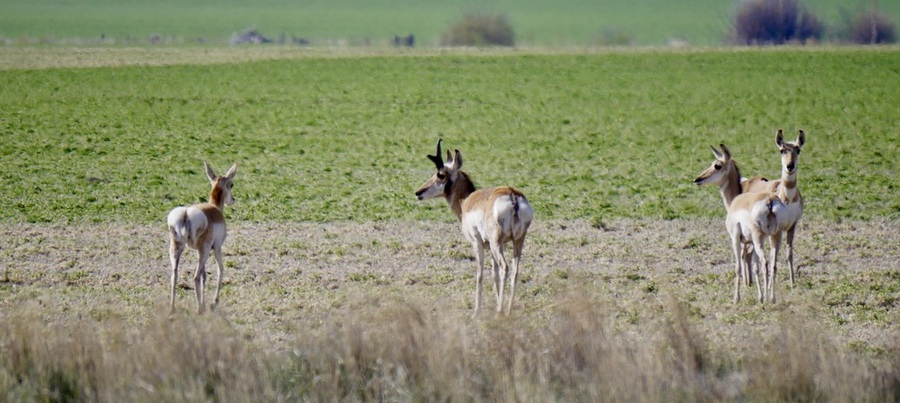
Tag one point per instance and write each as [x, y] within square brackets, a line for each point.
[217, 197]
[787, 190]
[731, 187]
[457, 191]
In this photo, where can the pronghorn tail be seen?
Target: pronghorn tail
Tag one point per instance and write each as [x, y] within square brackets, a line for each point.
[514, 199]
[774, 207]
[186, 223]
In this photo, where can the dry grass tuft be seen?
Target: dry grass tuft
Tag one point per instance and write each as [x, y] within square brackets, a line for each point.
[625, 314]
[396, 350]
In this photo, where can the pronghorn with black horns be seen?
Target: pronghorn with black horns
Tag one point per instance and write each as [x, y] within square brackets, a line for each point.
[202, 227]
[488, 217]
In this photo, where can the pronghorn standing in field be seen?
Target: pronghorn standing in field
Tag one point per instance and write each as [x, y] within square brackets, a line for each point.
[202, 227]
[752, 217]
[789, 195]
[488, 217]
[724, 172]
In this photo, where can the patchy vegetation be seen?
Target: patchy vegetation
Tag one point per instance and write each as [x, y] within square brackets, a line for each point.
[340, 286]
[625, 313]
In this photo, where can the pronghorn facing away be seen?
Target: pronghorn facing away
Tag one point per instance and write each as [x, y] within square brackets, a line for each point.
[725, 173]
[752, 217]
[202, 227]
[488, 217]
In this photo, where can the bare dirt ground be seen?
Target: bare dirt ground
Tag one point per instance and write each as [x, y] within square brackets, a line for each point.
[284, 278]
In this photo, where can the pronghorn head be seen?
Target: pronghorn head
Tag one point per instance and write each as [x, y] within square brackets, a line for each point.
[221, 185]
[790, 151]
[718, 172]
[447, 172]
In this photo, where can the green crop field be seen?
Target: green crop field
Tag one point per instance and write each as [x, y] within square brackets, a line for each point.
[321, 139]
[358, 22]
[340, 286]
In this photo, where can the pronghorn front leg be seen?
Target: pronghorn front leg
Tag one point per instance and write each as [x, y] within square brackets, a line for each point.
[200, 277]
[790, 251]
[776, 245]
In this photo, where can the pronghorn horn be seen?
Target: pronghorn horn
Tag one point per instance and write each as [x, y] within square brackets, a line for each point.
[436, 158]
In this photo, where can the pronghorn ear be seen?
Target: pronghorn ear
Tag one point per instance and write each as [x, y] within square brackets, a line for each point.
[716, 153]
[779, 138]
[449, 157]
[457, 160]
[209, 172]
[231, 171]
[725, 151]
[801, 139]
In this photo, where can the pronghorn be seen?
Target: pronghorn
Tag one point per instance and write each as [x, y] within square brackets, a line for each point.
[752, 217]
[488, 217]
[789, 195]
[724, 172]
[202, 227]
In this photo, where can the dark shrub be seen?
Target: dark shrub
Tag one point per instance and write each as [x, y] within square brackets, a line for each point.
[478, 29]
[872, 28]
[612, 37]
[775, 22]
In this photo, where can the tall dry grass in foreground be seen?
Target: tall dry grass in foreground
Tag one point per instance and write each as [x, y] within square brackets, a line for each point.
[394, 350]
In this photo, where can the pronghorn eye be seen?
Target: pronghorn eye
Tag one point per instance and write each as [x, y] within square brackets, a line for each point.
[441, 176]
[230, 185]
[718, 166]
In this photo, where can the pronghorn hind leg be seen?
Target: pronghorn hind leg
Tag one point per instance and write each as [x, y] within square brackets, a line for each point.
[518, 244]
[790, 252]
[501, 273]
[175, 250]
[747, 265]
[219, 270]
[495, 274]
[738, 252]
[200, 277]
[760, 255]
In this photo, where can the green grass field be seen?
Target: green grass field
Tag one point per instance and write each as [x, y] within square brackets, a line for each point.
[594, 136]
[537, 23]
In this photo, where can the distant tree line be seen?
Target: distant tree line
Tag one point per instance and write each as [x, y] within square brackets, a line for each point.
[776, 22]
